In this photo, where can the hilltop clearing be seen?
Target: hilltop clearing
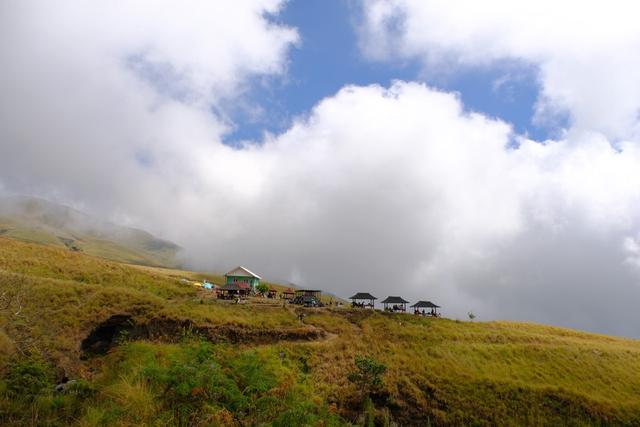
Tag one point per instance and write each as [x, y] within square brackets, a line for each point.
[139, 346]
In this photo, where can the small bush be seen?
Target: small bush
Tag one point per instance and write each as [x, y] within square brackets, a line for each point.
[191, 380]
[368, 374]
[262, 288]
[27, 379]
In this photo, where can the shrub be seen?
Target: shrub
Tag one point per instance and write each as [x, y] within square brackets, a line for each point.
[262, 288]
[251, 375]
[368, 374]
[191, 380]
[26, 379]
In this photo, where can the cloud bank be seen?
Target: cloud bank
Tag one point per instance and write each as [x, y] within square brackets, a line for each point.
[586, 52]
[119, 110]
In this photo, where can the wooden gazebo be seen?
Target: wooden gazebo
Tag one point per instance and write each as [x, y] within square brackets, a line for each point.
[433, 309]
[307, 297]
[397, 304]
[287, 294]
[308, 293]
[363, 300]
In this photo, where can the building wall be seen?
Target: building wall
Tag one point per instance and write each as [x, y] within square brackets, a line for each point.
[252, 281]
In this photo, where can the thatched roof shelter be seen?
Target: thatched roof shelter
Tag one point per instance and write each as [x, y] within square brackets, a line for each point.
[363, 296]
[398, 303]
[426, 304]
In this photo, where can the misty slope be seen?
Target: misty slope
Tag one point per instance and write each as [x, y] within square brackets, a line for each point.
[39, 221]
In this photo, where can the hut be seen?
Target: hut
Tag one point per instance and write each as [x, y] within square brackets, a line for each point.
[233, 290]
[242, 274]
[397, 304]
[363, 300]
[433, 309]
[287, 294]
[307, 297]
[272, 292]
[308, 293]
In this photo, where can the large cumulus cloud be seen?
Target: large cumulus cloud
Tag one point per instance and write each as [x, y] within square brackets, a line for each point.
[119, 109]
[401, 190]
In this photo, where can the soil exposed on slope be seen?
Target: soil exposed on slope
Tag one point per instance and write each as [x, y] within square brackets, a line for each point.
[116, 328]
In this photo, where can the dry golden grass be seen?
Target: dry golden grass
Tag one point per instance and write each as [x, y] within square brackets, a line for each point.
[440, 371]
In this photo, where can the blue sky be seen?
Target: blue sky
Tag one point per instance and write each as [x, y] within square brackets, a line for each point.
[328, 58]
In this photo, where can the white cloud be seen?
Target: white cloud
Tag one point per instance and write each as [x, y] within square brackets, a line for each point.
[111, 103]
[387, 190]
[400, 190]
[586, 52]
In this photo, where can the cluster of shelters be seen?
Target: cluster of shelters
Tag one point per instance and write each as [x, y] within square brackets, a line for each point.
[395, 304]
[242, 282]
[239, 283]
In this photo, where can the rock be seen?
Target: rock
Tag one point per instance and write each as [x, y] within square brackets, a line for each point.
[62, 387]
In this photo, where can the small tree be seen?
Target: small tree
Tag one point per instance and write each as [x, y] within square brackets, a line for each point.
[262, 288]
[471, 315]
[368, 374]
[368, 378]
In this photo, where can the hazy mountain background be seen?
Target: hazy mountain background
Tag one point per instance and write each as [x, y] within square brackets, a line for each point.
[37, 220]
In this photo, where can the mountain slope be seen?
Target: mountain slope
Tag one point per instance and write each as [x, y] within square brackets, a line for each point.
[182, 357]
[39, 221]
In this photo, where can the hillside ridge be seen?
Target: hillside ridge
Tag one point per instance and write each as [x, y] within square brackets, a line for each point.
[37, 220]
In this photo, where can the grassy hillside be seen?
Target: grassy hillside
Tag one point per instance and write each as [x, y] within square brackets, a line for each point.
[183, 358]
[35, 220]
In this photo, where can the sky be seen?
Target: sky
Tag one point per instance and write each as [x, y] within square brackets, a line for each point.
[328, 57]
[482, 155]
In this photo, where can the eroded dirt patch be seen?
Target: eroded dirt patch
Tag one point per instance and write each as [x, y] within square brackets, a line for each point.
[105, 335]
[120, 327]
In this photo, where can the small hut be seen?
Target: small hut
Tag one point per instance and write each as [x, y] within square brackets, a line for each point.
[307, 297]
[308, 293]
[396, 303]
[233, 290]
[288, 294]
[363, 300]
[272, 292]
[433, 309]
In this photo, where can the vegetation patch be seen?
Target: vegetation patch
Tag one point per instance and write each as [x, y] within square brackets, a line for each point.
[88, 342]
